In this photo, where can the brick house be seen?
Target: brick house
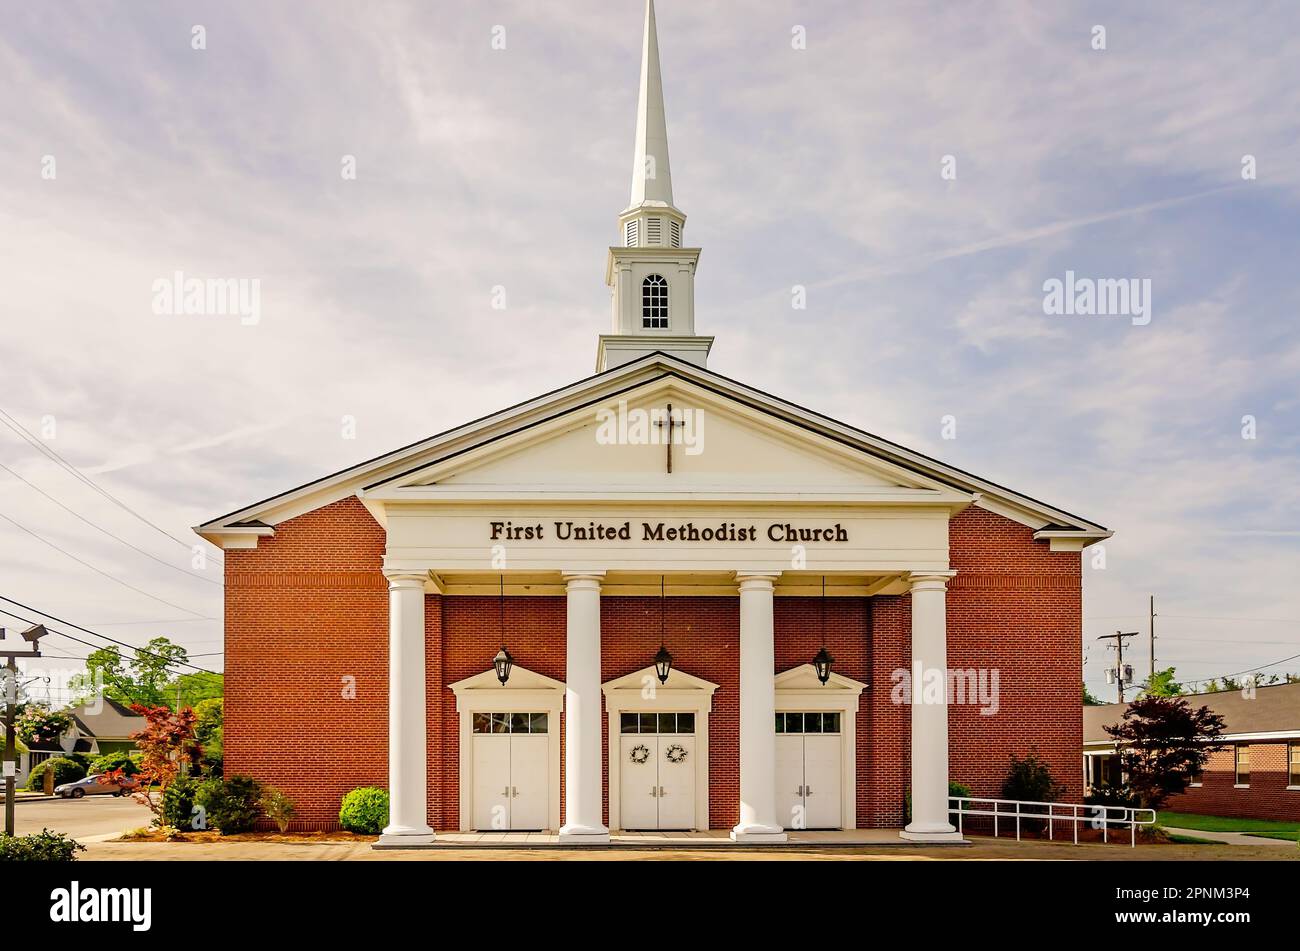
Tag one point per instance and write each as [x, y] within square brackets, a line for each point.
[654, 509]
[1256, 777]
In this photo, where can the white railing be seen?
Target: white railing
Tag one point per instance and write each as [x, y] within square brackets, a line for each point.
[1013, 809]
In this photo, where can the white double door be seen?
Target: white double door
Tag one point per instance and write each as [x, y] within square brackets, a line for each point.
[657, 782]
[510, 781]
[809, 780]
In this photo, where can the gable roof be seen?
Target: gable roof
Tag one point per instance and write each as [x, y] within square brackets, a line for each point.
[257, 519]
[1274, 710]
[114, 721]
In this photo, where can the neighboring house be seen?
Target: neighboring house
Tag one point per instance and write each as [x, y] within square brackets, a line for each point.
[1257, 776]
[98, 728]
[109, 725]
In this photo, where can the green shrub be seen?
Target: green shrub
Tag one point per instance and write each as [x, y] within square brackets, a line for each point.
[178, 803]
[110, 761]
[1029, 780]
[365, 810]
[232, 805]
[278, 807]
[65, 771]
[43, 846]
[84, 760]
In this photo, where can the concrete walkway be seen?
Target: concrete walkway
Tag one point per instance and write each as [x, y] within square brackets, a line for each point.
[1232, 838]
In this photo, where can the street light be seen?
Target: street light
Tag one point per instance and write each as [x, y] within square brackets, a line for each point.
[11, 650]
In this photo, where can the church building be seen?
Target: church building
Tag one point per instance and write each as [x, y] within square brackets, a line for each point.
[654, 598]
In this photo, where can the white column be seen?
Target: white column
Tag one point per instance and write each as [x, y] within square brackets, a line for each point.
[408, 811]
[758, 819]
[929, 710]
[582, 720]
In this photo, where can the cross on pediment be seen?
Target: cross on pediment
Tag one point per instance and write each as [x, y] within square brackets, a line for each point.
[669, 424]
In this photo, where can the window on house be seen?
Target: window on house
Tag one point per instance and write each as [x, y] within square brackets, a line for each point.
[654, 231]
[632, 235]
[654, 303]
[1242, 765]
[1293, 758]
[675, 230]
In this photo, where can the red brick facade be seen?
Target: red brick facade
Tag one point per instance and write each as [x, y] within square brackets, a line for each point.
[306, 663]
[1266, 798]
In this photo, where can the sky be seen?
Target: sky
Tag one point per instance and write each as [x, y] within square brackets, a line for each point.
[921, 169]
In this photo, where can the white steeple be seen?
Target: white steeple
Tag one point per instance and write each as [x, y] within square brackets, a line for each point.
[650, 275]
[652, 178]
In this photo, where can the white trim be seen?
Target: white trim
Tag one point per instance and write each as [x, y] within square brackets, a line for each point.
[1241, 785]
[526, 691]
[641, 692]
[798, 689]
[648, 369]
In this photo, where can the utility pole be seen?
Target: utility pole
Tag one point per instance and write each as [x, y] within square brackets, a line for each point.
[1119, 670]
[11, 651]
[1151, 628]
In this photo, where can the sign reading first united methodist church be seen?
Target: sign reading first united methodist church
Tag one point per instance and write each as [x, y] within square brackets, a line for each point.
[569, 531]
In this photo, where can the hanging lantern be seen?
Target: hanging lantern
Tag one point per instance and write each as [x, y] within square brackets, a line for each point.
[503, 661]
[663, 664]
[663, 659]
[823, 660]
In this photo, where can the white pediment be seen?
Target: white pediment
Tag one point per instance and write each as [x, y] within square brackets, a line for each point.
[647, 678]
[521, 678]
[804, 678]
[717, 445]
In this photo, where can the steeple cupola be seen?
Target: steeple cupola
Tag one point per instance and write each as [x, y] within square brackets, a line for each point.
[650, 274]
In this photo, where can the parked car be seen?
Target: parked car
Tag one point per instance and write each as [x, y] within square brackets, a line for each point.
[96, 785]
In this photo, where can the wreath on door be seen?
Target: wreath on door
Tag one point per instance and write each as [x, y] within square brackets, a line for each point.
[676, 753]
[640, 754]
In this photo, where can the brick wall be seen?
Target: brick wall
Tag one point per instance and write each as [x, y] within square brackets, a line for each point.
[1267, 797]
[1016, 607]
[304, 610]
[309, 607]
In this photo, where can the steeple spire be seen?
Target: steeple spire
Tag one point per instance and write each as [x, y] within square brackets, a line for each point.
[652, 179]
[650, 274]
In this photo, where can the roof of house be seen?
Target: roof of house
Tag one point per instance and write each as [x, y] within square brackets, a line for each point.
[1272, 710]
[112, 721]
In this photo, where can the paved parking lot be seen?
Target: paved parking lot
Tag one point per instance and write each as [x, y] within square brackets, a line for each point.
[80, 818]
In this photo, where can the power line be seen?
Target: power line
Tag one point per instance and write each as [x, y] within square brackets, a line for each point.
[114, 578]
[165, 564]
[138, 650]
[51, 454]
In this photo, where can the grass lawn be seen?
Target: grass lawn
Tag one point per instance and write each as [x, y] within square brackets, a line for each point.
[1271, 828]
[1287, 836]
[1193, 840]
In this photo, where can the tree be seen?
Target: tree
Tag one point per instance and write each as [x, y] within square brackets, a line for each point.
[195, 687]
[1089, 700]
[1162, 684]
[208, 731]
[166, 741]
[143, 679]
[1163, 744]
[41, 726]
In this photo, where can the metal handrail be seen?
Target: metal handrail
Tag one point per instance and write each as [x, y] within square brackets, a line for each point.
[1095, 814]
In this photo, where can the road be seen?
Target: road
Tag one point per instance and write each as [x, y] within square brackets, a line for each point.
[80, 818]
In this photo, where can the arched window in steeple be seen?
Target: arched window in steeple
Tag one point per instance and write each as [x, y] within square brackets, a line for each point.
[654, 303]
